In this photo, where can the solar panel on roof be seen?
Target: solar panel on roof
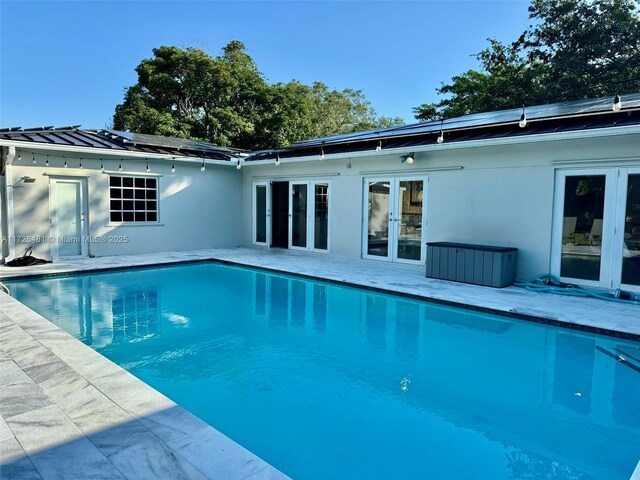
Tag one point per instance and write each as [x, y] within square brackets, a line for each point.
[169, 142]
[538, 112]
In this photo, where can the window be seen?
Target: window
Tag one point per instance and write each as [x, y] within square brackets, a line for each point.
[133, 199]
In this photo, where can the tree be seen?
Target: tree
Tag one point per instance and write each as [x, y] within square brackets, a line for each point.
[226, 100]
[576, 49]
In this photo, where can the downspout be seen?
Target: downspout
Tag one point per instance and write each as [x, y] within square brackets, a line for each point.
[7, 213]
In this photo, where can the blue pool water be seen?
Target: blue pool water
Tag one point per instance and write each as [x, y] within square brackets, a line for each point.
[330, 382]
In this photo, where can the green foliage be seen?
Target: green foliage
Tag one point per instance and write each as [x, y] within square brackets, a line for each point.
[226, 100]
[575, 49]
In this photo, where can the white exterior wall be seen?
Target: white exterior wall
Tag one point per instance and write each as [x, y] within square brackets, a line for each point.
[196, 209]
[502, 196]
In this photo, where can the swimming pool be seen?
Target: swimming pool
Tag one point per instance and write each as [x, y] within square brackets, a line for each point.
[325, 381]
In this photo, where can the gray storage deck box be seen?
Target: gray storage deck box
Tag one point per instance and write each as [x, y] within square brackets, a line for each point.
[477, 264]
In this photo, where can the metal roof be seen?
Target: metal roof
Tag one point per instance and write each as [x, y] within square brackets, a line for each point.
[73, 136]
[558, 117]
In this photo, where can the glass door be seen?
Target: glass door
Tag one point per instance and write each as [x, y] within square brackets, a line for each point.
[309, 215]
[596, 239]
[395, 221]
[629, 226]
[261, 213]
[298, 212]
[378, 201]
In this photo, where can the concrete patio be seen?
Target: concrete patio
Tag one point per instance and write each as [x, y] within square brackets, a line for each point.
[68, 412]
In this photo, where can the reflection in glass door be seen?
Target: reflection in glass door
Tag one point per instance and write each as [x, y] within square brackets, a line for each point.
[597, 227]
[631, 232]
[395, 219]
[298, 215]
[309, 215]
[409, 220]
[378, 218]
[582, 227]
[261, 213]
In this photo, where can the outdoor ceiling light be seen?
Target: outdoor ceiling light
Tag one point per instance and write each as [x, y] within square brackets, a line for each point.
[440, 138]
[523, 119]
[379, 147]
[277, 159]
[408, 158]
[238, 166]
[617, 104]
[321, 153]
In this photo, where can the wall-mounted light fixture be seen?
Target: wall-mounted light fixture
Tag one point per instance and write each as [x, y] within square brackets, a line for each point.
[173, 165]
[408, 158]
[148, 169]
[321, 153]
[80, 164]
[203, 166]
[101, 165]
[379, 146]
[24, 179]
[277, 159]
[120, 166]
[238, 165]
[46, 163]
[33, 159]
[617, 103]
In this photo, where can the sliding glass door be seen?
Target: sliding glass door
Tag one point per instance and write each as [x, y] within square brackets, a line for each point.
[597, 227]
[309, 215]
[395, 220]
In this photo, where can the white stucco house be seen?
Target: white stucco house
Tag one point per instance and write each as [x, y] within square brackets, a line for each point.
[561, 183]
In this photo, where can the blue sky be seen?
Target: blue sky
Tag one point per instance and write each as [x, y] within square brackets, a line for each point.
[64, 63]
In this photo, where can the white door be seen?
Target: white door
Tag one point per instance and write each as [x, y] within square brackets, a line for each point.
[309, 215]
[395, 220]
[67, 200]
[261, 231]
[596, 229]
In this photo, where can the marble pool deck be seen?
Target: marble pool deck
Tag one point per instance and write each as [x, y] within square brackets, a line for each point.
[68, 412]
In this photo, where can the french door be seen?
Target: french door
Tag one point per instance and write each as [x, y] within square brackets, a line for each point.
[309, 215]
[305, 207]
[596, 231]
[395, 220]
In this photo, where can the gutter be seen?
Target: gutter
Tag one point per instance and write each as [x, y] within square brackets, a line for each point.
[8, 206]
